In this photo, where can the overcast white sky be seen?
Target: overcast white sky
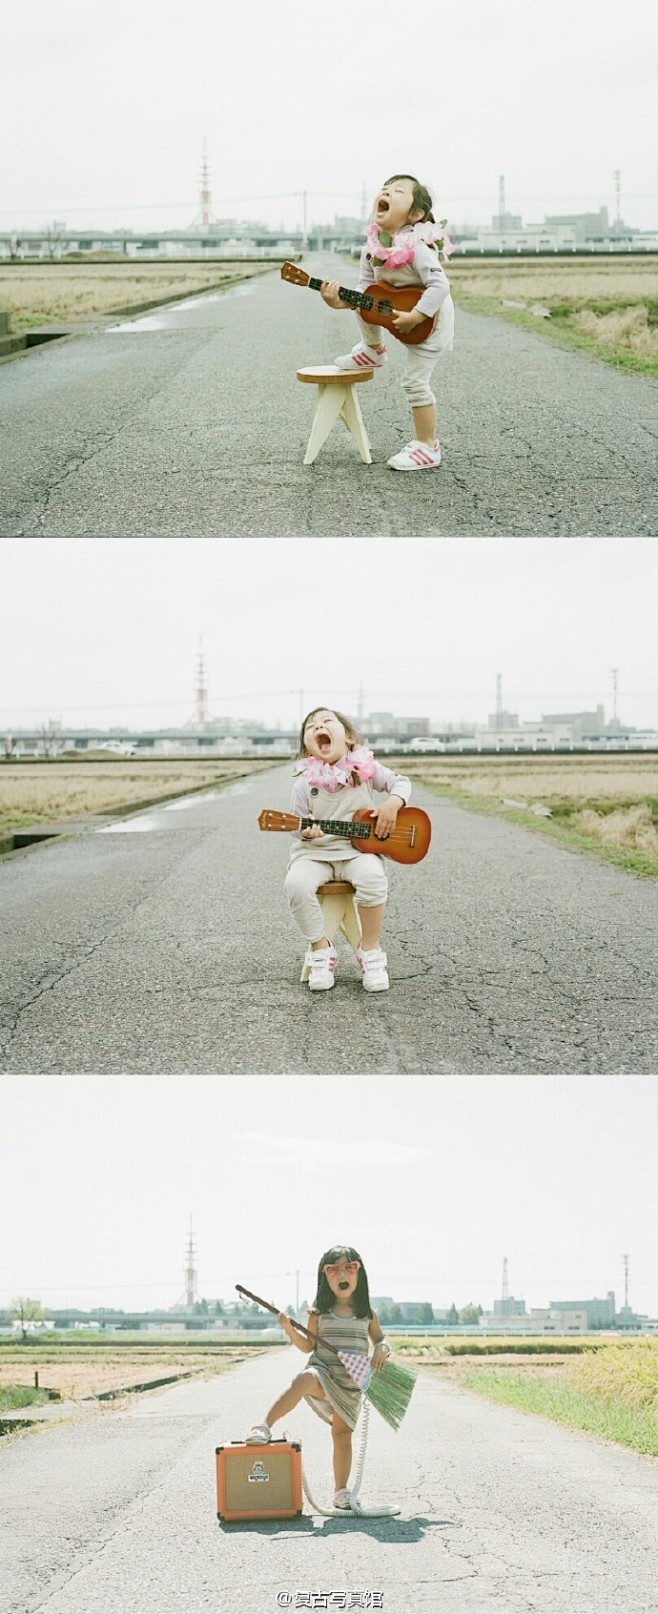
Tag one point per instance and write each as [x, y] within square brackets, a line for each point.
[105, 107]
[100, 1176]
[105, 632]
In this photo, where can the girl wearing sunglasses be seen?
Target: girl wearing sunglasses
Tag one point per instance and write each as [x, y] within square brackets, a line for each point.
[343, 1317]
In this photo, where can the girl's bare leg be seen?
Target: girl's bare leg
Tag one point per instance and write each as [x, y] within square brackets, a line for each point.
[304, 1384]
[342, 1435]
[425, 423]
[371, 924]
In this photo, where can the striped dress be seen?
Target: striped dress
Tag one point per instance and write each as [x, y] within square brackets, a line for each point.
[342, 1394]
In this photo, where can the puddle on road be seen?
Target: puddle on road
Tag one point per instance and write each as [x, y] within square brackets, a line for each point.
[143, 822]
[129, 826]
[163, 318]
[191, 801]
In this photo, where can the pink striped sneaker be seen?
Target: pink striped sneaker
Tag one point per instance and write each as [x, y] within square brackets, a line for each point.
[416, 457]
[321, 963]
[362, 358]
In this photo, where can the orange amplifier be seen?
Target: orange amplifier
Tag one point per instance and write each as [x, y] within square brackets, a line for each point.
[259, 1482]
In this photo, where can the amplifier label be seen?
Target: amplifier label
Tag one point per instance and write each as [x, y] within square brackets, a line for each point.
[258, 1475]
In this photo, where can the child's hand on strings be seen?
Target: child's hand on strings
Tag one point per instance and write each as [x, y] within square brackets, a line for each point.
[386, 817]
[312, 833]
[329, 291]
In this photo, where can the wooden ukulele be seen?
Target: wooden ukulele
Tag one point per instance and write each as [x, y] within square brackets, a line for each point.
[407, 843]
[377, 306]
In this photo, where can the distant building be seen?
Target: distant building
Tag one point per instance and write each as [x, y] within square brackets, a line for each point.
[583, 725]
[600, 1313]
[503, 720]
[627, 1318]
[509, 1307]
[586, 226]
[399, 728]
[540, 1321]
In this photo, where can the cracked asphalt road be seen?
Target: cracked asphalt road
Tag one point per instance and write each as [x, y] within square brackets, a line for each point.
[190, 423]
[163, 943]
[501, 1513]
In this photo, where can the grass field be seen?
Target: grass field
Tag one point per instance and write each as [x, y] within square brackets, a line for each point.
[58, 293]
[607, 1388]
[90, 1369]
[442, 1350]
[604, 306]
[611, 1392]
[604, 805]
[41, 793]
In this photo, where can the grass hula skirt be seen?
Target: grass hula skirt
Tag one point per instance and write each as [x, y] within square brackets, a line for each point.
[388, 1390]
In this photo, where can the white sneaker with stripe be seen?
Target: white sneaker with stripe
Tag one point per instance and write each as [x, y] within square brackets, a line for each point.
[416, 457]
[362, 358]
[373, 969]
[322, 963]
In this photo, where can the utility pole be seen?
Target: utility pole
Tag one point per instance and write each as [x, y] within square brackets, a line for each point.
[615, 691]
[625, 1260]
[499, 700]
[618, 195]
[191, 1284]
[201, 690]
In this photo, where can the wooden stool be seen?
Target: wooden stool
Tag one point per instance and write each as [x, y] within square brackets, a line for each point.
[336, 398]
[337, 900]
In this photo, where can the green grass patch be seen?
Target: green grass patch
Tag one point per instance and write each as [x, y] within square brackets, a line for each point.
[21, 1395]
[522, 1347]
[565, 1404]
[558, 829]
[87, 1343]
[558, 329]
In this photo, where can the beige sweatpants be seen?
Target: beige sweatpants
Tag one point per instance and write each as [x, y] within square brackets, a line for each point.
[420, 359]
[365, 871]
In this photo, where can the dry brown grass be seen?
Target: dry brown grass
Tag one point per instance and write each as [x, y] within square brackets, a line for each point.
[558, 280]
[547, 779]
[626, 1375]
[632, 827]
[608, 306]
[48, 294]
[622, 328]
[97, 1369]
[58, 792]
[579, 791]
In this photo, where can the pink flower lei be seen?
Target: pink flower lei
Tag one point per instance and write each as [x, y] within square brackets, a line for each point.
[336, 775]
[402, 246]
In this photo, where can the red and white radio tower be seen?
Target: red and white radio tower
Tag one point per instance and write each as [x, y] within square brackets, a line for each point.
[205, 217]
[191, 1291]
[201, 691]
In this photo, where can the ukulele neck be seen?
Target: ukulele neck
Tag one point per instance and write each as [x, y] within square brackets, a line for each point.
[354, 299]
[338, 826]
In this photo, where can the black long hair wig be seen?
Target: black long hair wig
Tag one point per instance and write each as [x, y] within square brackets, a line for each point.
[325, 1300]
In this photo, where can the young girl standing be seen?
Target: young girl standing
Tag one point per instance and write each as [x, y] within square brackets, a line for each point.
[402, 249]
[335, 777]
[341, 1316]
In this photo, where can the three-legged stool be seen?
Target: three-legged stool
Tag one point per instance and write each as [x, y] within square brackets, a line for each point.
[337, 900]
[336, 399]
